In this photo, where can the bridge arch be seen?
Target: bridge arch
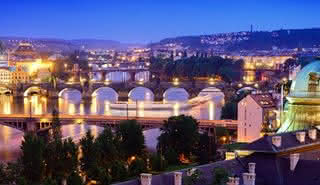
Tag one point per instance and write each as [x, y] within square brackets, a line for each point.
[5, 90]
[118, 76]
[32, 90]
[108, 92]
[141, 94]
[142, 76]
[211, 91]
[63, 91]
[175, 94]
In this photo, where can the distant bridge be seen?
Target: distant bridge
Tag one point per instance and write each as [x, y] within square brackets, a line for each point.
[38, 123]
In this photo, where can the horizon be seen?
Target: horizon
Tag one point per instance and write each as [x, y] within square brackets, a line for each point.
[106, 39]
[145, 22]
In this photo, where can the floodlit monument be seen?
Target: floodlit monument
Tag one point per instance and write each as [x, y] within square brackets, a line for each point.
[304, 100]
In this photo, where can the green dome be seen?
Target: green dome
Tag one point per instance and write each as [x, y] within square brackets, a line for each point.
[301, 84]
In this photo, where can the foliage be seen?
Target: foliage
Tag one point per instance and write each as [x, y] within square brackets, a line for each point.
[228, 69]
[230, 109]
[131, 138]
[102, 176]
[137, 166]
[107, 146]
[118, 171]
[74, 179]
[179, 133]
[88, 161]
[202, 151]
[172, 156]
[49, 181]
[56, 125]
[32, 159]
[195, 178]
[220, 176]
[158, 162]
[61, 158]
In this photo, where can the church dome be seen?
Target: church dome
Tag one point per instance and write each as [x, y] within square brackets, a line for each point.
[307, 81]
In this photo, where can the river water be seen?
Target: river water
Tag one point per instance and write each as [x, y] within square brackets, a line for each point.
[71, 103]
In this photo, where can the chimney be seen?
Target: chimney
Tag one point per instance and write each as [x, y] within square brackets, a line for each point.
[236, 181]
[276, 141]
[249, 178]
[294, 158]
[252, 167]
[145, 178]
[191, 171]
[312, 134]
[301, 136]
[231, 181]
[177, 178]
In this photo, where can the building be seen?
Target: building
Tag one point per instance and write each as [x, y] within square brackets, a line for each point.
[4, 61]
[293, 71]
[256, 112]
[5, 75]
[20, 75]
[304, 100]
[290, 158]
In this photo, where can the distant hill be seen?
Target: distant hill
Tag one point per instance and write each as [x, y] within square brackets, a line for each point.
[260, 40]
[48, 44]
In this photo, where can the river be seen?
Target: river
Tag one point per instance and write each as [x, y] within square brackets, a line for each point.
[71, 103]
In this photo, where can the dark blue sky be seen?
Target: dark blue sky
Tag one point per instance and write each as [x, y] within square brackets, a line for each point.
[150, 20]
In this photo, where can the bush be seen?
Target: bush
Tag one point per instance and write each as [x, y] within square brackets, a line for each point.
[74, 179]
[220, 176]
[136, 167]
[118, 171]
[158, 163]
[195, 178]
[172, 157]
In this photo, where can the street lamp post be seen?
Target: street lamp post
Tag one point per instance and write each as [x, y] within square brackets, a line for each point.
[127, 110]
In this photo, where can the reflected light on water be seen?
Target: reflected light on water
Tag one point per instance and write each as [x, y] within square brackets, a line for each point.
[176, 108]
[72, 108]
[82, 109]
[107, 108]
[211, 110]
[140, 109]
[93, 107]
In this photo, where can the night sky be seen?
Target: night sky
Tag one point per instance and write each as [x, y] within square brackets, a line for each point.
[150, 20]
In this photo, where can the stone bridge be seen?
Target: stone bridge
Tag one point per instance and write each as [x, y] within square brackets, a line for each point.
[38, 123]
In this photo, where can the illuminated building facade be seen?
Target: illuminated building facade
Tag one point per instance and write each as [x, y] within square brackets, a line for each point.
[255, 113]
[5, 75]
[304, 100]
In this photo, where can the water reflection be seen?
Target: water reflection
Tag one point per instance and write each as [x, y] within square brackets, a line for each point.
[71, 103]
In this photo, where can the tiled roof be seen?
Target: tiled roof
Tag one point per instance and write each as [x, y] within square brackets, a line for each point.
[263, 100]
[273, 170]
[288, 142]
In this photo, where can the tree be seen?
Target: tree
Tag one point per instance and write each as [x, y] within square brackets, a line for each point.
[158, 162]
[179, 133]
[56, 125]
[220, 176]
[137, 167]
[32, 159]
[74, 179]
[107, 146]
[195, 178]
[89, 159]
[118, 171]
[131, 138]
[202, 150]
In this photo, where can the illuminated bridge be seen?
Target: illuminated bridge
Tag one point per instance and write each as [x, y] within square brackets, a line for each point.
[44, 122]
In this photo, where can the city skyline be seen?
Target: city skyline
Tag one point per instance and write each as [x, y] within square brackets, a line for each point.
[145, 22]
